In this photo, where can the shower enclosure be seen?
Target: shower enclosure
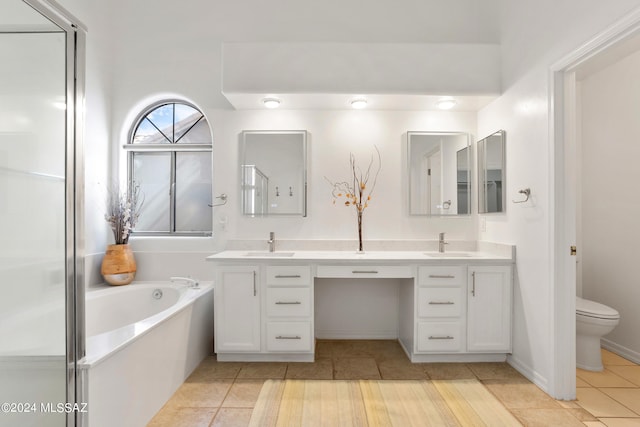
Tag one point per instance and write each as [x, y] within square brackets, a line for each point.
[41, 264]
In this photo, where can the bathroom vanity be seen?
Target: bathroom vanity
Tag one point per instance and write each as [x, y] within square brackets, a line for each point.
[454, 306]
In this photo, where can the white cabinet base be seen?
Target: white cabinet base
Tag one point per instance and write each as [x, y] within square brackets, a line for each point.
[265, 357]
[458, 357]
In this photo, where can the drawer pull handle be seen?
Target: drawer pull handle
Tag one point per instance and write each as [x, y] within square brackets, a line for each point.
[447, 337]
[288, 302]
[288, 276]
[284, 337]
[364, 272]
[473, 288]
[442, 276]
[254, 284]
[441, 303]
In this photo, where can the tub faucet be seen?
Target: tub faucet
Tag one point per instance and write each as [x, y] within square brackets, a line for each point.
[272, 241]
[191, 282]
[441, 243]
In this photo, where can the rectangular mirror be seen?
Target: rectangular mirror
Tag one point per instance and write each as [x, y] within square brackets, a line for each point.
[491, 173]
[273, 172]
[439, 173]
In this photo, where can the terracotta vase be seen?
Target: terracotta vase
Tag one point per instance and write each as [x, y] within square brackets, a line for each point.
[118, 265]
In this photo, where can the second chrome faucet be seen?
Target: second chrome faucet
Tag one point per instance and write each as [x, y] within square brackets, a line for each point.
[441, 243]
[272, 241]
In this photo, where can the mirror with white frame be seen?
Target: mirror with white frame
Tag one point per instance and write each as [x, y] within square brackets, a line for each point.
[273, 172]
[439, 173]
[491, 173]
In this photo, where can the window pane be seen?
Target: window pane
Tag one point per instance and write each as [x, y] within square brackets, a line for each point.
[199, 134]
[152, 171]
[162, 117]
[146, 133]
[193, 192]
[186, 117]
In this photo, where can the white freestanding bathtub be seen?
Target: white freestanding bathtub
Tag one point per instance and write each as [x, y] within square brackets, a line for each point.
[143, 341]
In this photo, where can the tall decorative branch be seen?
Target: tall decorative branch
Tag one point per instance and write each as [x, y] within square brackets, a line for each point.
[123, 211]
[358, 191]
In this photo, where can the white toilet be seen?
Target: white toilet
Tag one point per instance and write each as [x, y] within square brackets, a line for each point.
[593, 320]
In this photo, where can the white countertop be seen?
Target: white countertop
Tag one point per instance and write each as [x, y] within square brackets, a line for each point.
[409, 256]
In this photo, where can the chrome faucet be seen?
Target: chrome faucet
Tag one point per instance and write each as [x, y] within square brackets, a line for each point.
[441, 243]
[192, 283]
[272, 241]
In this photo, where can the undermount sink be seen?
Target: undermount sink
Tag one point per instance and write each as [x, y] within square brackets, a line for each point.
[269, 254]
[448, 254]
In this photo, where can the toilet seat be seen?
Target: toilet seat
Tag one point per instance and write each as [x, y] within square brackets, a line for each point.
[587, 308]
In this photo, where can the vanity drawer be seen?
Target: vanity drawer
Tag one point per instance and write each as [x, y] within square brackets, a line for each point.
[440, 302]
[440, 336]
[282, 275]
[289, 302]
[365, 271]
[442, 275]
[289, 336]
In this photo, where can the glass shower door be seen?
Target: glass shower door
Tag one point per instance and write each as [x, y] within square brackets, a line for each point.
[33, 218]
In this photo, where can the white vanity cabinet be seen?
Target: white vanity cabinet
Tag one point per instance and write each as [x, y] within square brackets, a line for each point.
[455, 309]
[440, 309]
[288, 309]
[489, 307]
[463, 309]
[237, 309]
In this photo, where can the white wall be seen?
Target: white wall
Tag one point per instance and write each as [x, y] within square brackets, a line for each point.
[534, 35]
[610, 203]
[332, 136]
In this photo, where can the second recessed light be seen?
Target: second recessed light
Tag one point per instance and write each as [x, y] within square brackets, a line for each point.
[271, 102]
[359, 103]
[446, 103]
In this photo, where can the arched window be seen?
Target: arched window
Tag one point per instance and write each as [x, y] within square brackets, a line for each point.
[169, 157]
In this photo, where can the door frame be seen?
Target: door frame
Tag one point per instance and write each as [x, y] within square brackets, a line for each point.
[562, 134]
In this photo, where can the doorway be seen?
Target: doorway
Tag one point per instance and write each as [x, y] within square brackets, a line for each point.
[609, 46]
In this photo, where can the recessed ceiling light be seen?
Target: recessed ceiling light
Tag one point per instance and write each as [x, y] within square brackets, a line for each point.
[446, 103]
[359, 103]
[271, 102]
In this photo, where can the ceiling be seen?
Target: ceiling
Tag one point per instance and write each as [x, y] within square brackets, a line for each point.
[355, 21]
[17, 16]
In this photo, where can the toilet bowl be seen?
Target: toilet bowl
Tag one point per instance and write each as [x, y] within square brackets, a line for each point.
[593, 320]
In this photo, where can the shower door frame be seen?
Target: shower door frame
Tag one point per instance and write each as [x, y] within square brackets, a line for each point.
[74, 197]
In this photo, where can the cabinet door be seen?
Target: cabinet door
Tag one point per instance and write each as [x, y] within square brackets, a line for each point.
[489, 309]
[237, 309]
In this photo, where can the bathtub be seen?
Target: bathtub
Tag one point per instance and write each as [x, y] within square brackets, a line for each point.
[143, 341]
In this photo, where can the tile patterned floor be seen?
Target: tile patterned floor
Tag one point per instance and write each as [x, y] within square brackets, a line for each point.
[224, 393]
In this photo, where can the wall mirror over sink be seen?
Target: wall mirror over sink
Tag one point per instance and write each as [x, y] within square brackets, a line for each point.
[439, 173]
[273, 172]
[491, 173]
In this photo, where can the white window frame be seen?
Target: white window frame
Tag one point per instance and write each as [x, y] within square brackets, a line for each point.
[172, 148]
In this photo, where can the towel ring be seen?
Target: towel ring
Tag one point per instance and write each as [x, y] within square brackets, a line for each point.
[222, 197]
[526, 192]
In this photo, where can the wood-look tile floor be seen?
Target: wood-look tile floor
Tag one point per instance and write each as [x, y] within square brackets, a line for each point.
[224, 393]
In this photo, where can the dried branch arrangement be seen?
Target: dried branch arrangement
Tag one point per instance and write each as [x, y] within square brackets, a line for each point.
[358, 191]
[123, 211]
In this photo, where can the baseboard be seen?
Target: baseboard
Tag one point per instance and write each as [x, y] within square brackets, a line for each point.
[620, 350]
[265, 357]
[358, 335]
[529, 373]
